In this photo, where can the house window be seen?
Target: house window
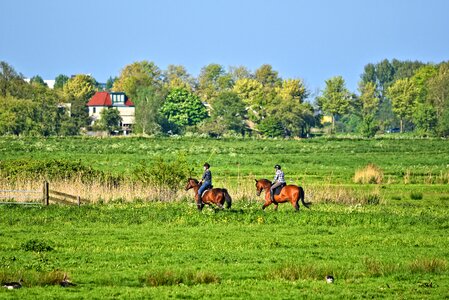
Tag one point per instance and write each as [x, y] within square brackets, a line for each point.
[94, 109]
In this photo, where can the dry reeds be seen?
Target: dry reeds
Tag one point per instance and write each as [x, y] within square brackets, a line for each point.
[369, 174]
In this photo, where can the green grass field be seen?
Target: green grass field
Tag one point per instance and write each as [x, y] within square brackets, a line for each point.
[148, 250]
[395, 248]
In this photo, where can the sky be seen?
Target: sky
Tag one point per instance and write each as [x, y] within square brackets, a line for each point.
[309, 40]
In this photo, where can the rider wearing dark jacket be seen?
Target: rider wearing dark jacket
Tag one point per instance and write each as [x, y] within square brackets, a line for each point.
[205, 183]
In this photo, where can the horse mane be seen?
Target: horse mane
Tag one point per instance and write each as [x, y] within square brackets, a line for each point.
[266, 180]
[196, 181]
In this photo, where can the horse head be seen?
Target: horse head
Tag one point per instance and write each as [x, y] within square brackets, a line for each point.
[262, 184]
[191, 183]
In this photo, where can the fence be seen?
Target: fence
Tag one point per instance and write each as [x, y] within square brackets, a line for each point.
[45, 195]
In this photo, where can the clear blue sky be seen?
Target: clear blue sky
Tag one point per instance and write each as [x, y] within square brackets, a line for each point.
[311, 40]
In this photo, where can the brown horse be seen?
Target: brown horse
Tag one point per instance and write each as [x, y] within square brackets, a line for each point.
[215, 196]
[291, 193]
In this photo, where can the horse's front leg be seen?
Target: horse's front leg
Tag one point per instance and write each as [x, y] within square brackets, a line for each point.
[267, 203]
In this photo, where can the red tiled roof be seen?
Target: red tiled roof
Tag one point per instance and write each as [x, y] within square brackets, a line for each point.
[129, 103]
[100, 99]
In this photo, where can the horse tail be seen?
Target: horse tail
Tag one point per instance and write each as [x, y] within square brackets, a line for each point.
[301, 196]
[227, 197]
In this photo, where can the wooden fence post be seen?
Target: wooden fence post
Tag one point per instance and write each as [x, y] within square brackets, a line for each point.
[45, 191]
[79, 200]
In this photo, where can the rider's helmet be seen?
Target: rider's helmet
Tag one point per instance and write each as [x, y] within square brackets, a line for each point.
[206, 165]
[277, 167]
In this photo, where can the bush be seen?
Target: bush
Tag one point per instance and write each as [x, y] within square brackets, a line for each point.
[370, 174]
[163, 175]
[416, 196]
[36, 246]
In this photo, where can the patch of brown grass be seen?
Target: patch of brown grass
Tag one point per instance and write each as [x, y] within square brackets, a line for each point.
[369, 174]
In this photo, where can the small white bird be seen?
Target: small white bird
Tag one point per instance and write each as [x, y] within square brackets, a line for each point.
[13, 285]
[329, 279]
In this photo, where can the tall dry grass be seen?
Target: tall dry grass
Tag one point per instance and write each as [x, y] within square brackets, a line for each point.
[241, 190]
[369, 174]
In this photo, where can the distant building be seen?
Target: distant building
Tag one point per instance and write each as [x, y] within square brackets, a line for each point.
[113, 100]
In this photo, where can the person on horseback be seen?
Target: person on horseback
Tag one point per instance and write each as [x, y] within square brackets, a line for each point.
[277, 181]
[205, 183]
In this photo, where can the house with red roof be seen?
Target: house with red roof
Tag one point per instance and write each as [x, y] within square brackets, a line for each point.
[112, 100]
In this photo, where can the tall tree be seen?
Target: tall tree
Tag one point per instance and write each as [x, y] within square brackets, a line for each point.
[12, 83]
[239, 72]
[402, 94]
[138, 75]
[230, 111]
[81, 87]
[37, 80]
[369, 101]
[110, 83]
[110, 119]
[60, 81]
[176, 76]
[183, 108]
[212, 80]
[148, 102]
[438, 96]
[267, 76]
[335, 99]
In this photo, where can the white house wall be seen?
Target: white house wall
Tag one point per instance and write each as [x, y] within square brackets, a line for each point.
[126, 112]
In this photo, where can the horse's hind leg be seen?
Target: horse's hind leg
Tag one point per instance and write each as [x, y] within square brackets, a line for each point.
[295, 204]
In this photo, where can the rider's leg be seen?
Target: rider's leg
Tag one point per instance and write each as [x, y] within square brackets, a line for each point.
[273, 187]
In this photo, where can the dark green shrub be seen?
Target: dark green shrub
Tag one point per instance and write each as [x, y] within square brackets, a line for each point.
[416, 196]
[36, 246]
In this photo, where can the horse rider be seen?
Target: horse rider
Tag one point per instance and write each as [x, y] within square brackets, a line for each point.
[277, 181]
[205, 183]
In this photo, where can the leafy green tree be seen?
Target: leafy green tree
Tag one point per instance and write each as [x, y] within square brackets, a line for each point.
[267, 76]
[229, 110]
[176, 76]
[335, 99]
[402, 94]
[60, 81]
[147, 116]
[37, 80]
[110, 119]
[424, 114]
[292, 90]
[138, 75]
[183, 108]
[239, 72]
[81, 87]
[110, 83]
[12, 83]
[212, 80]
[271, 127]
[369, 107]
[438, 96]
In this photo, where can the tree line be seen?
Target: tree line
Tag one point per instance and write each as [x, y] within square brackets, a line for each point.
[411, 96]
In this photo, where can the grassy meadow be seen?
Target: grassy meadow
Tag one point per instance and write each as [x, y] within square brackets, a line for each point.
[384, 240]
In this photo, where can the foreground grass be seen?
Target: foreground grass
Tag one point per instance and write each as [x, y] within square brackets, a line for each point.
[164, 250]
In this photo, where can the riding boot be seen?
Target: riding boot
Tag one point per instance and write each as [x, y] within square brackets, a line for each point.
[272, 196]
[200, 204]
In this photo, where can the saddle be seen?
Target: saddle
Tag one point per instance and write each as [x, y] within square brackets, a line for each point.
[278, 190]
[209, 188]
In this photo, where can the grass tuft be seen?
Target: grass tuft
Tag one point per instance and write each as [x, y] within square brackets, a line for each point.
[170, 277]
[416, 196]
[370, 174]
[426, 265]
